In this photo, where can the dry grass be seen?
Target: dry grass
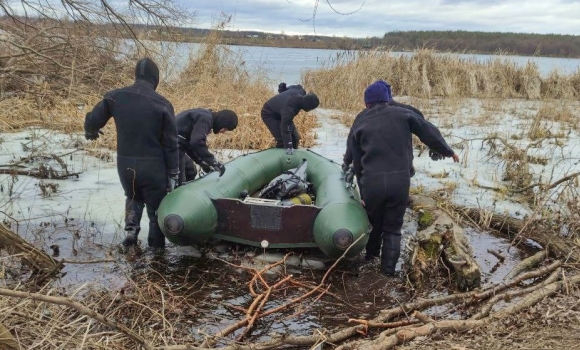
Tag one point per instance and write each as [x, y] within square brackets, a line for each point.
[151, 309]
[428, 74]
[216, 78]
[551, 324]
[58, 96]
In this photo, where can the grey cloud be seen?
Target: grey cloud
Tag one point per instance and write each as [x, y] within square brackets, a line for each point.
[380, 16]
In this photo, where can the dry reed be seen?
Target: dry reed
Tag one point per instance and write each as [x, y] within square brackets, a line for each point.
[57, 94]
[428, 74]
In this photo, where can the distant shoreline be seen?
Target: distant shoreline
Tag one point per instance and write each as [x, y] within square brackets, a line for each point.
[323, 46]
[513, 44]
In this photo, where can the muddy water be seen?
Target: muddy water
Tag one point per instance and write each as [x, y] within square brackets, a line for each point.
[217, 285]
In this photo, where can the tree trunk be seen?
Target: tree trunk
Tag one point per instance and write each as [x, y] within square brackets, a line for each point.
[439, 237]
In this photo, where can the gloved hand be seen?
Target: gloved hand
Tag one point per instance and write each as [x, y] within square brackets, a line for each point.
[345, 167]
[217, 166]
[205, 167]
[172, 180]
[91, 135]
[289, 151]
[282, 87]
[435, 155]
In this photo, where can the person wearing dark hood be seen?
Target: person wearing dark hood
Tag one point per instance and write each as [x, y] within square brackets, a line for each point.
[193, 126]
[147, 151]
[279, 111]
[380, 142]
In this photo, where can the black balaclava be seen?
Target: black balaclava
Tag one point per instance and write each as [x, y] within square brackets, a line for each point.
[147, 70]
[224, 119]
[309, 102]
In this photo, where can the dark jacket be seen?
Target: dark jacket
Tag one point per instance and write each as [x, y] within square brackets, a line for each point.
[347, 159]
[380, 140]
[193, 127]
[144, 120]
[284, 107]
[406, 106]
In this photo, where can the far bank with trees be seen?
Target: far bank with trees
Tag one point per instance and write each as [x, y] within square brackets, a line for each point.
[551, 45]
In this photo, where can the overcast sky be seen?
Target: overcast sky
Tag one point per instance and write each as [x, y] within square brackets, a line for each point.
[376, 17]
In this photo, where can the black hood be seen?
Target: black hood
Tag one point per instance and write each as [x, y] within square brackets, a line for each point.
[224, 119]
[147, 70]
[309, 102]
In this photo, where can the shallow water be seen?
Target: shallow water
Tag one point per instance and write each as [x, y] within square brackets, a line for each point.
[83, 219]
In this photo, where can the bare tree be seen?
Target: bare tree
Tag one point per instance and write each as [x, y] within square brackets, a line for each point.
[55, 49]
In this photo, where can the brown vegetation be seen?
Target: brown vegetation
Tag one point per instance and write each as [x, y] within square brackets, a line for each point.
[152, 313]
[52, 79]
[427, 74]
[49, 79]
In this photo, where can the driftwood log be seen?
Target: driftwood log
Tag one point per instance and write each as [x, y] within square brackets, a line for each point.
[440, 238]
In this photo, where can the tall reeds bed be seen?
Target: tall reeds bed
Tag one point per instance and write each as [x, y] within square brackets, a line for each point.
[57, 91]
[426, 74]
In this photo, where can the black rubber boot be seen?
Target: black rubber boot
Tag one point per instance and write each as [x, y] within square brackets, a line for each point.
[373, 247]
[156, 239]
[133, 214]
[130, 239]
[391, 251]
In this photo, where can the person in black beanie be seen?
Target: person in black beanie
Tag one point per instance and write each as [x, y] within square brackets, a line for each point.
[279, 111]
[147, 151]
[193, 127]
[380, 142]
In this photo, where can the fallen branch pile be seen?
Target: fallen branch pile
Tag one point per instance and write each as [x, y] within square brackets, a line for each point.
[521, 289]
[50, 166]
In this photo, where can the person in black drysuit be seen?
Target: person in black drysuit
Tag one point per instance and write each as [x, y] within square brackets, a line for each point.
[374, 242]
[279, 111]
[147, 151]
[347, 159]
[193, 126]
[380, 142]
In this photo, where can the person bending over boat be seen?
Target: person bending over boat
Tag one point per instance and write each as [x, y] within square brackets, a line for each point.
[380, 142]
[147, 152]
[279, 111]
[193, 127]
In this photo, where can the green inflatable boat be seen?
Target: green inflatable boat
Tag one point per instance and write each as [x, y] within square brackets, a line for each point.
[219, 207]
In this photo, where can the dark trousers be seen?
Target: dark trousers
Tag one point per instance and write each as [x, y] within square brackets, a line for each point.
[144, 181]
[275, 127]
[385, 199]
[187, 169]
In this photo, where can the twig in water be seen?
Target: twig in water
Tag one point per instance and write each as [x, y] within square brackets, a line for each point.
[500, 257]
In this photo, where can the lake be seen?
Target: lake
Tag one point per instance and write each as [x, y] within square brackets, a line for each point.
[287, 64]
